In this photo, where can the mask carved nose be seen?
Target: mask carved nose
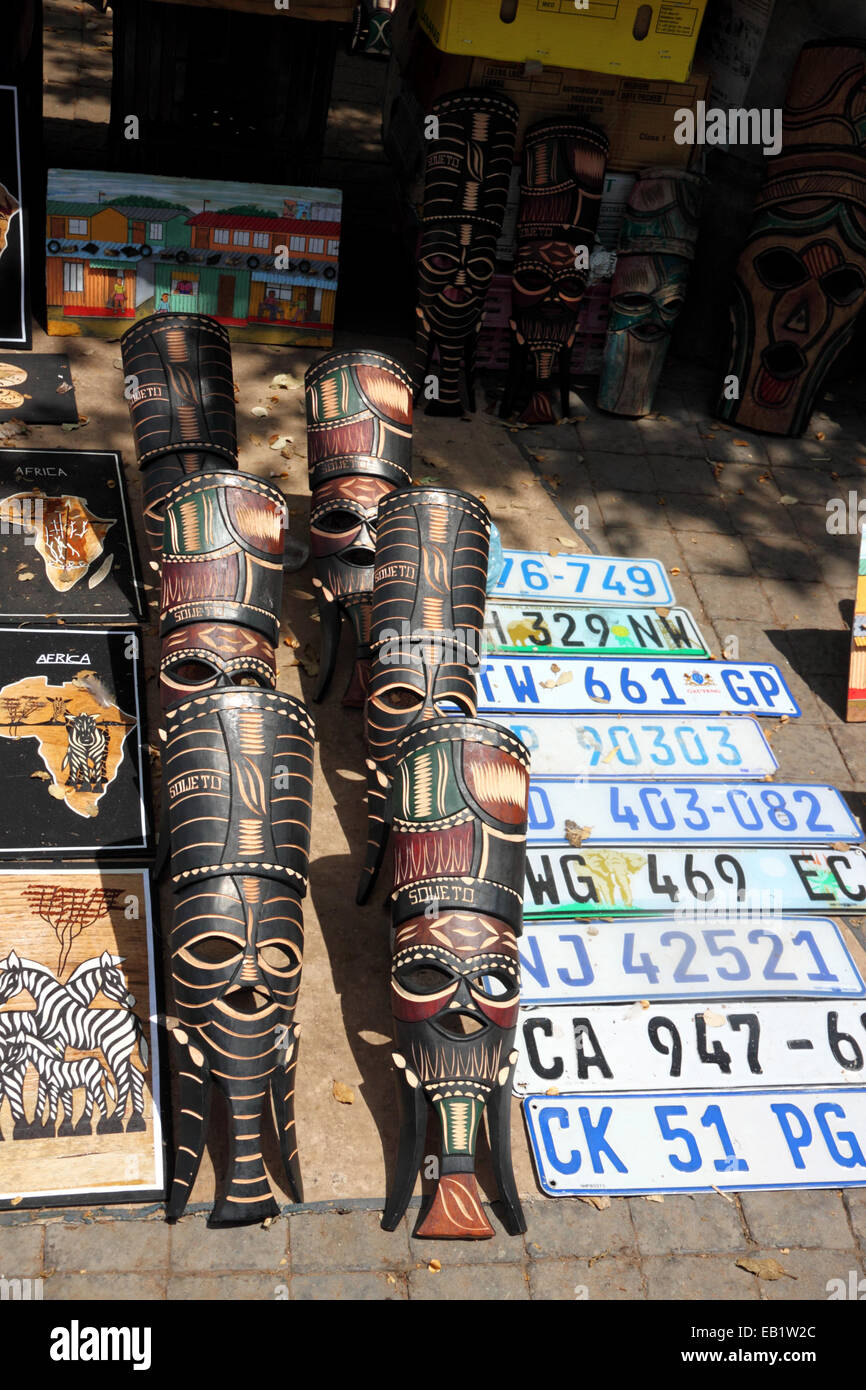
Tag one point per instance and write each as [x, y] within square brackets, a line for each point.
[799, 320]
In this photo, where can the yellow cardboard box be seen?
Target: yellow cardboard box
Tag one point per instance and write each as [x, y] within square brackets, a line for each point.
[626, 37]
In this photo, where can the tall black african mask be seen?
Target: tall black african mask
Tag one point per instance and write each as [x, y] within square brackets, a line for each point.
[238, 770]
[467, 172]
[560, 195]
[428, 611]
[359, 449]
[460, 807]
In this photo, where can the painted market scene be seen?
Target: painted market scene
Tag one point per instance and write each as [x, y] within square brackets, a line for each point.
[433, 665]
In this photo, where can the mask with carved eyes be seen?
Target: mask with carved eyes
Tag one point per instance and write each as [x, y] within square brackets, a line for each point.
[800, 280]
[657, 246]
[202, 656]
[455, 992]
[467, 172]
[359, 445]
[428, 611]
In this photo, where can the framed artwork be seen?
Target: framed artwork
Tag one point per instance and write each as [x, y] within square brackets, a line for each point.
[37, 389]
[261, 259]
[14, 296]
[856, 709]
[72, 743]
[79, 1048]
[66, 539]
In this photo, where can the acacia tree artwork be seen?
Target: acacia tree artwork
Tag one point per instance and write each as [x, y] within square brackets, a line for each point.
[656, 249]
[460, 808]
[560, 195]
[180, 388]
[800, 280]
[467, 172]
[239, 786]
[359, 449]
[429, 582]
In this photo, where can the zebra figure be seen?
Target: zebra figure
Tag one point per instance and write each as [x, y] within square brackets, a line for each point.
[86, 752]
[61, 1079]
[12, 1025]
[62, 1015]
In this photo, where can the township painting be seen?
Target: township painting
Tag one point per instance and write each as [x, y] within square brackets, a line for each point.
[856, 709]
[79, 1070]
[261, 259]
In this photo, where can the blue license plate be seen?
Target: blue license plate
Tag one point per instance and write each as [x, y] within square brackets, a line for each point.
[599, 745]
[585, 578]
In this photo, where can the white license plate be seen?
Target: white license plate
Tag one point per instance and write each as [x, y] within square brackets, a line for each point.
[563, 882]
[586, 578]
[559, 629]
[683, 1141]
[583, 685]
[666, 958]
[627, 1047]
[602, 746]
[570, 810]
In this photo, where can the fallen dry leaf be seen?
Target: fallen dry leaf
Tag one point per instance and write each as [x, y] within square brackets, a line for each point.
[713, 1020]
[576, 834]
[562, 679]
[654, 1197]
[675, 569]
[259, 411]
[600, 1203]
[769, 1269]
[28, 574]
[344, 1094]
[434, 1266]
[42, 776]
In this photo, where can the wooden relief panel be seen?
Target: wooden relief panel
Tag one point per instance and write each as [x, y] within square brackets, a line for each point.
[79, 1069]
[71, 763]
[66, 543]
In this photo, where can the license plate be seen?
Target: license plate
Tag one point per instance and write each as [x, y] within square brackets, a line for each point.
[571, 810]
[667, 958]
[577, 685]
[627, 1047]
[588, 578]
[563, 882]
[564, 629]
[685, 1142]
[601, 746]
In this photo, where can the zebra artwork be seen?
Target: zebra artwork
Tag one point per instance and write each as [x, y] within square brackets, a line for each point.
[86, 752]
[63, 1018]
[61, 1078]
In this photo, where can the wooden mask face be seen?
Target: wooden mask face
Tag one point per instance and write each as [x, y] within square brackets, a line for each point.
[801, 277]
[657, 245]
[467, 174]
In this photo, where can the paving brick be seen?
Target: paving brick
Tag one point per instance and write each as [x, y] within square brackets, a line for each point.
[803, 1218]
[752, 643]
[689, 511]
[660, 544]
[780, 557]
[801, 603]
[677, 474]
[729, 446]
[227, 1288]
[811, 524]
[836, 562]
[819, 652]
[751, 517]
[798, 453]
[494, 1283]
[724, 596]
[812, 1271]
[501, 1249]
[700, 1225]
[21, 1250]
[855, 1200]
[343, 1288]
[195, 1248]
[322, 1244]
[810, 485]
[830, 694]
[568, 1226]
[706, 553]
[809, 754]
[670, 437]
[106, 1245]
[686, 596]
[104, 1288]
[638, 509]
[852, 746]
[607, 1279]
[696, 1278]
[607, 435]
[620, 473]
